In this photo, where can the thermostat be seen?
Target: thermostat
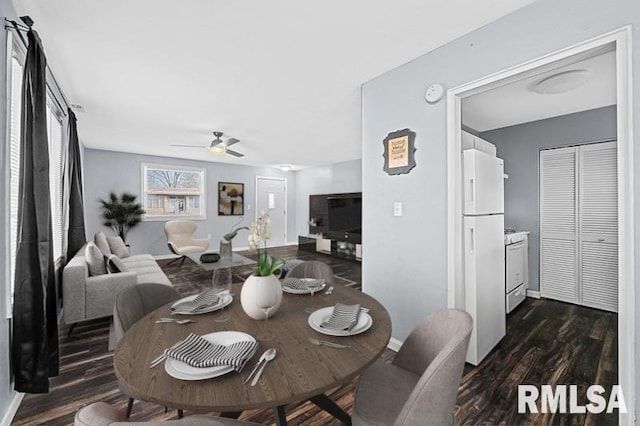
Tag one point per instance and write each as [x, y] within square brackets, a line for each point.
[434, 93]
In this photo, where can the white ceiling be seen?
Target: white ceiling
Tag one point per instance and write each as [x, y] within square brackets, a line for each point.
[518, 103]
[283, 76]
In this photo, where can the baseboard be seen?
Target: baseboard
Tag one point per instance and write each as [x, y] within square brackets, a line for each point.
[394, 344]
[533, 293]
[12, 409]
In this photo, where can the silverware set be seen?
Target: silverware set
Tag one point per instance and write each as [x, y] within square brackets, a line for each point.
[174, 320]
[267, 356]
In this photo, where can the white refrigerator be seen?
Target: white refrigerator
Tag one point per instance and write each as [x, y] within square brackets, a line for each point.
[483, 225]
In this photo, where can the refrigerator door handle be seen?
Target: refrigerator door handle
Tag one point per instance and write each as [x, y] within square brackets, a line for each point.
[472, 191]
[472, 240]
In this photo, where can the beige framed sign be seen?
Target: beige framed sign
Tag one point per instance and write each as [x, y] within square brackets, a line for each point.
[399, 152]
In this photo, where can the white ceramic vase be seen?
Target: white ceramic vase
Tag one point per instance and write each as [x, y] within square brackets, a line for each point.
[258, 293]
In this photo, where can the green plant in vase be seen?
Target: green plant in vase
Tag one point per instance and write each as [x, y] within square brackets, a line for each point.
[121, 213]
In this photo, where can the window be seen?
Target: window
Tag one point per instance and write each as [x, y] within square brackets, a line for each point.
[54, 133]
[170, 192]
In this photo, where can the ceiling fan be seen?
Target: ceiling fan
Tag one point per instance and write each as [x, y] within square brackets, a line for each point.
[219, 146]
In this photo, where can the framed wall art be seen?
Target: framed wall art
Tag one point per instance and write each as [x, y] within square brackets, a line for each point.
[399, 152]
[230, 199]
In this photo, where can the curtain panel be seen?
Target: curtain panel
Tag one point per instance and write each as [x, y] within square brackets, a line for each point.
[76, 232]
[34, 346]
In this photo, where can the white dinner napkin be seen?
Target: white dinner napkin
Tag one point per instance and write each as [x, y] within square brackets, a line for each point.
[200, 353]
[343, 317]
[300, 283]
[206, 299]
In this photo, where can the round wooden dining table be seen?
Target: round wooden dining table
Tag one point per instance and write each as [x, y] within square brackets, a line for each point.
[300, 371]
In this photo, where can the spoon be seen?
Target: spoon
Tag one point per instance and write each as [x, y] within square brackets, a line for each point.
[269, 355]
[258, 364]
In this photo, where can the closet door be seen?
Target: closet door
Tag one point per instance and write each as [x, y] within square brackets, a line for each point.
[598, 209]
[559, 225]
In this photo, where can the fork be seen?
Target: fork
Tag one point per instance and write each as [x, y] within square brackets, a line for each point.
[163, 355]
[329, 291]
[174, 320]
[330, 344]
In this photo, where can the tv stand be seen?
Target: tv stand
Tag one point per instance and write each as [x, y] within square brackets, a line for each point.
[346, 246]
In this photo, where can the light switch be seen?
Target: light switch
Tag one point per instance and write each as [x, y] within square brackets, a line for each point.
[397, 208]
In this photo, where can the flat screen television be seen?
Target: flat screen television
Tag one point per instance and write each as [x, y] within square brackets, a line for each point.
[345, 213]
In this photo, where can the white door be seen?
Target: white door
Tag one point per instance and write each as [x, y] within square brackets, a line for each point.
[579, 225]
[483, 183]
[271, 195]
[484, 282]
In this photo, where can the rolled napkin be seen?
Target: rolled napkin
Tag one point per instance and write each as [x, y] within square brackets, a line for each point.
[301, 284]
[200, 353]
[206, 299]
[343, 318]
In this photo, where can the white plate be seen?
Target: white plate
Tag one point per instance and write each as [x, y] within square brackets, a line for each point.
[223, 302]
[302, 290]
[183, 371]
[318, 317]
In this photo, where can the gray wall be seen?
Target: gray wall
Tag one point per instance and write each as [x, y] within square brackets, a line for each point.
[335, 178]
[106, 171]
[519, 147]
[405, 266]
[6, 388]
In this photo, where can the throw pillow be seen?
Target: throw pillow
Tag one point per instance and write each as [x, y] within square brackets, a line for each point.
[118, 247]
[115, 264]
[95, 259]
[101, 241]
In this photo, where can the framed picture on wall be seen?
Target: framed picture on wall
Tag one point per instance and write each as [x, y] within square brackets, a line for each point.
[230, 199]
[399, 152]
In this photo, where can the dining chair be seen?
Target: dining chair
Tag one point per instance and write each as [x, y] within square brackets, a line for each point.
[103, 414]
[180, 239]
[312, 269]
[133, 303]
[421, 384]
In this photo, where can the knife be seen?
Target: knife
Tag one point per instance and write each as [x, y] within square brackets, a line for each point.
[260, 361]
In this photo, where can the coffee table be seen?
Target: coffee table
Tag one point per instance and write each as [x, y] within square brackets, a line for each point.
[300, 371]
[236, 260]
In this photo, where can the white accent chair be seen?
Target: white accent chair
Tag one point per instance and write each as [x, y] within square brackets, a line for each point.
[420, 386]
[180, 239]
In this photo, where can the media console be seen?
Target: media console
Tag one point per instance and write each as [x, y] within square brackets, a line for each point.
[344, 248]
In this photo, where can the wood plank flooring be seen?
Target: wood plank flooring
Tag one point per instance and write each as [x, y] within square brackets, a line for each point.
[547, 343]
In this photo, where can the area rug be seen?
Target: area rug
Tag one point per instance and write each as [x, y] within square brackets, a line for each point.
[191, 278]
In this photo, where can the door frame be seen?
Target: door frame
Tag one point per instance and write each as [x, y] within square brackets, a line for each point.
[286, 202]
[626, 297]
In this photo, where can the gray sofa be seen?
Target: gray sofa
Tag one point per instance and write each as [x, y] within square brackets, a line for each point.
[88, 297]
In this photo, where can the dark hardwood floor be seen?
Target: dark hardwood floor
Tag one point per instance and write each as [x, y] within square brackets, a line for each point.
[547, 342]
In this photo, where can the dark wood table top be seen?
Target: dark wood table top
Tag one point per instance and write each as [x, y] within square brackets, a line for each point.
[299, 371]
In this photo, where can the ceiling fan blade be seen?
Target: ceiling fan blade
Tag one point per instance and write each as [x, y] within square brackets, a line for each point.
[234, 153]
[189, 146]
[232, 141]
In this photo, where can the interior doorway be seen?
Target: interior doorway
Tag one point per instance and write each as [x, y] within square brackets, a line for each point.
[618, 42]
[271, 195]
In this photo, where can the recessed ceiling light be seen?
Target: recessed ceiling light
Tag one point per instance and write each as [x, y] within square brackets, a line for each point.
[562, 82]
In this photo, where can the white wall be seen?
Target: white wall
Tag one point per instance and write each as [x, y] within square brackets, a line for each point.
[334, 178]
[406, 263]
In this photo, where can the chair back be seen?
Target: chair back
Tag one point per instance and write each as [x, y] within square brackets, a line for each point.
[436, 349]
[314, 269]
[132, 303]
[180, 232]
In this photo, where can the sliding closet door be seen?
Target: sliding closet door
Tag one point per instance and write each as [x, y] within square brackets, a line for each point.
[558, 225]
[579, 225]
[599, 225]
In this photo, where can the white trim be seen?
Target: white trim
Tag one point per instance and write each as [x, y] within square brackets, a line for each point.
[8, 309]
[533, 293]
[624, 88]
[394, 344]
[12, 409]
[286, 203]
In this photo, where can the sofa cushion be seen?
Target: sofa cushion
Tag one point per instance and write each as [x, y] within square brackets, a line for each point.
[95, 259]
[115, 264]
[118, 247]
[101, 241]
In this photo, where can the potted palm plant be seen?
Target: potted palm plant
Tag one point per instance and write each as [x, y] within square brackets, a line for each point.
[121, 213]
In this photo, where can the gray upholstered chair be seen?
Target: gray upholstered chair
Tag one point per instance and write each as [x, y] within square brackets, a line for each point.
[314, 269]
[102, 414]
[180, 239]
[421, 384]
[135, 302]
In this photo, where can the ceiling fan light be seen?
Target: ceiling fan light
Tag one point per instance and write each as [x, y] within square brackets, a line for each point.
[217, 149]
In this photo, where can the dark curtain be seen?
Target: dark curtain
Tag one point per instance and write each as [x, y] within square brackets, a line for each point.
[35, 332]
[76, 233]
